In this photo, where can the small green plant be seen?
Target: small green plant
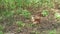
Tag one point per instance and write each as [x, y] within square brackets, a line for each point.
[19, 11]
[26, 13]
[47, 3]
[45, 13]
[20, 23]
[1, 32]
[19, 29]
[1, 27]
[1, 17]
[31, 25]
[8, 13]
[9, 3]
[34, 32]
[52, 32]
[57, 15]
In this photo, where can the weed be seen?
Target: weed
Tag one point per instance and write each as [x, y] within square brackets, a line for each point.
[20, 23]
[48, 3]
[1, 17]
[26, 13]
[19, 29]
[19, 11]
[32, 25]
[57, 15]
[45, 13]
[8, 13]
[35, 32]
[1, 32]
[1, 27]
[52, 32]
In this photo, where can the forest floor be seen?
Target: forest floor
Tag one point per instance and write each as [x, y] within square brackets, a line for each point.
[47, 24]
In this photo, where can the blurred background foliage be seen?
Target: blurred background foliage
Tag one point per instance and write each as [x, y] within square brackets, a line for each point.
[8, 7]
[12, 4]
